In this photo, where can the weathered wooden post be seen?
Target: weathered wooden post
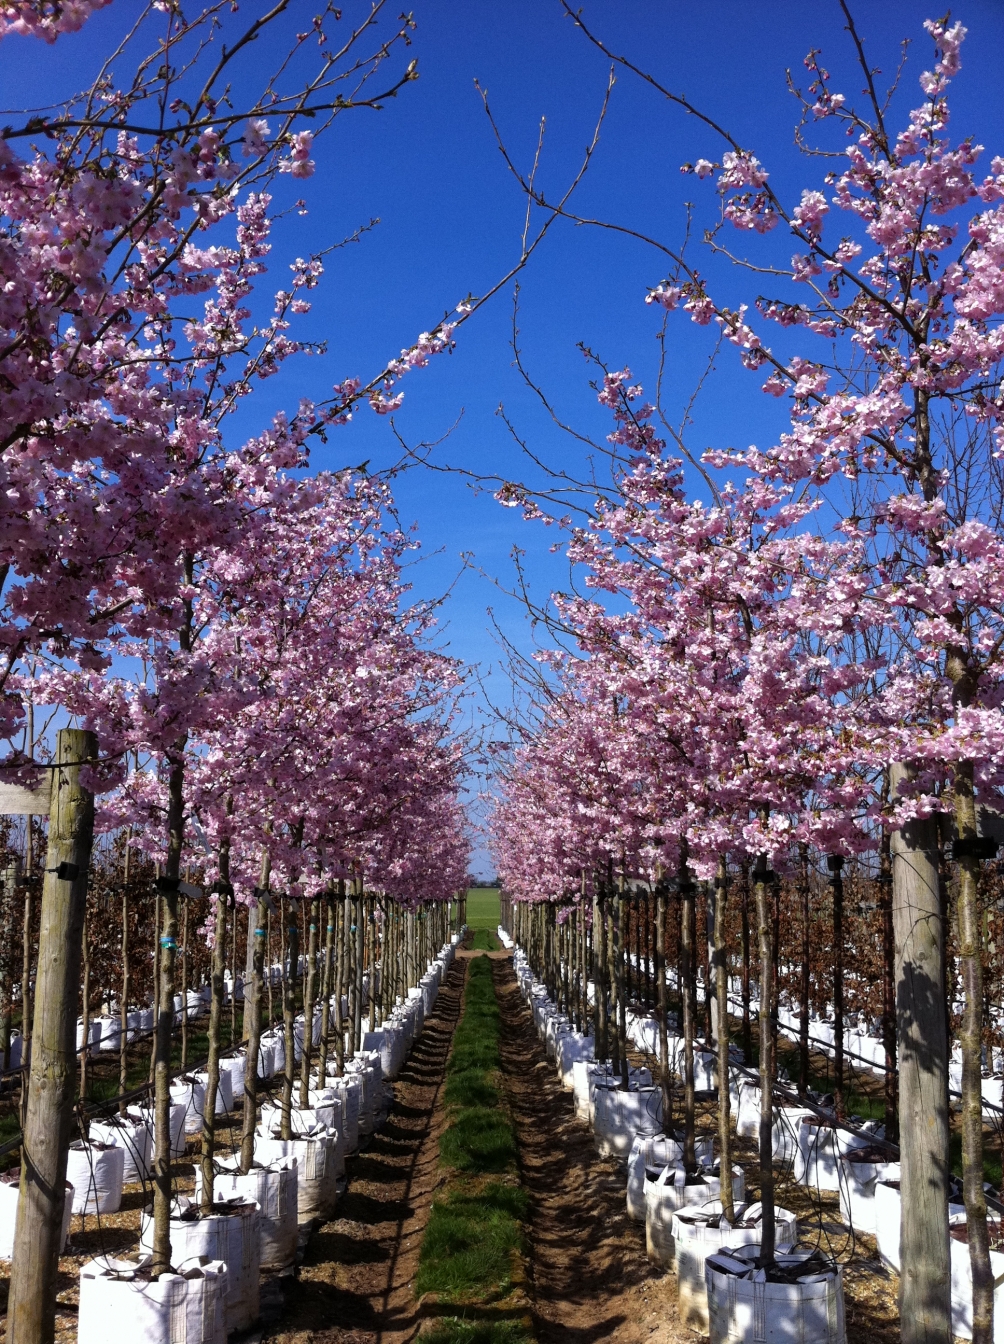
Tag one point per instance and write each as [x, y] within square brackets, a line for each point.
[31, 1313]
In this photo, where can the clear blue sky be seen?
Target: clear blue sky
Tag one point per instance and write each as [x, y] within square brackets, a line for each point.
[451, 218]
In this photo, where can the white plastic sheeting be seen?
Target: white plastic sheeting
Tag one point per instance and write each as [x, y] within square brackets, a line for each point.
[10, 1183]
[95, 1172]
[231, 1234]
[649, 1155]
[700, 1232]
[273, 1188]
[316, 1178]
[118, 1300]
[133, 1137]
[743, 1306]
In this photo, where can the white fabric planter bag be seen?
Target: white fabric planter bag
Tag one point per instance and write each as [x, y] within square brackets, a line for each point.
[888, 1209]
[224, 1091]
[273, 1189]
[302, 1119]
[784, 1132]
[234, 1067]
[349, 1090]
[743, 1306]
[698, 1233]
[109, 1032]
[594, 1073]
[16, 1043]
[10, 1190]
[277, 1043]
[133, 1137]
[178, 1001]
[193, 1002]
[671, 1191]
[962, 1280]
[133, 1024]
[748, 1109]
[146, 1116]
[358, 1068]
[820, 1147]
[620, 1116]
[188, 1092]
[95, 1172]
[386, 1042]
[650, 1154]
[266, 1059]
[184, 1308]
[860, 1171]
[232, 1236]
[316, 1178]
[573, 1048]
[146, 1020]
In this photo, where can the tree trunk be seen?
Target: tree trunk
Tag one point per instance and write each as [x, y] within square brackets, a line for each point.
[252, 1018]
[86, 1005]
[165, 1020]
[31, 1312]
[803, 1022]
[124, 1005]
[289, 1013]
[925, 1284]
[763, 915]
[687, 977]
[888, 992]
[835, 863]
[663, 1006]
[720, 963]
[215, 1014]
[971, 965]
[602, 1051]
[329, 946]
[184, 987]
[745, 911]
[309, 995]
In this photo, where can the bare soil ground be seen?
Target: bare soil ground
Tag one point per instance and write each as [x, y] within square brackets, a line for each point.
[355, 1286]
[589, 1277]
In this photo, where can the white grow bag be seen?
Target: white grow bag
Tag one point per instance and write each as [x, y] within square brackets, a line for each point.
[349, 1090]
[743, 1306]
[650, 1155]
[188, 1092]
[700, 1232]
[224, 1091]
[147, 1117]
[671, 1191]
[860, 1171]
[133, 1137]
[234, 1068]
[10, 1190]
[118, 1299]
[273, 1189]
[302, 1119]
[962, 1280]
[888, 1207]
[621, 1116]
[232, 1234]
[95, 1172]
[785, 1131]
[316, 1168]
[748, 1110]
[820, 1147]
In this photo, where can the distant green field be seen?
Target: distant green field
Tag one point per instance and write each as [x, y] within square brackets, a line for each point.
[483, 915]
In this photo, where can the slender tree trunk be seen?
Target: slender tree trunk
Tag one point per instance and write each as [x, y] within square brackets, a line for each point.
[184, 987]
[340, 978]
[156, 975]
[252, 1016]
[329, 946]
[86, 1005]
[357, 1018]
[925, 1284]
[720, 962]
[600, 973]
[763, 913]
[688, 975]
[289, 1012]
[745, 913]
[888, 991]
[215, 1014]
[124, 1005]
[971, 965]
[31, 1310]
[27, 1007]
[835, 863]
[663, 1006]
[165, 1019]
[309, 996]
[803, 1022]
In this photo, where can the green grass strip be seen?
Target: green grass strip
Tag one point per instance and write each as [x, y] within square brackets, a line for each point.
[475, 1230]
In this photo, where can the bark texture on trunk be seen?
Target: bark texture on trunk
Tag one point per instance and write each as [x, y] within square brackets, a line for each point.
[31, 1311]
[925, 1283]
[720, 963]
[213, 1065]
[765, 935]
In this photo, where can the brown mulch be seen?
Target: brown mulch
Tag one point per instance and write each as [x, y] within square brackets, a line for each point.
[355, 1286]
